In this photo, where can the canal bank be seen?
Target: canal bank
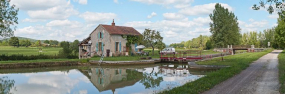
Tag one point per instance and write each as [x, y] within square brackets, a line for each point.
[32, 64]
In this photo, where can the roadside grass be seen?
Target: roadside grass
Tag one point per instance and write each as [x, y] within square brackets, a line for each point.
[281, 66]
[237, 63]
[10, 50]
[38, 61]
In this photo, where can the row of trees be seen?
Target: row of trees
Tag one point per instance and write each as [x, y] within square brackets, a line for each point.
[14, 41]
[199, 42]
[259, 40]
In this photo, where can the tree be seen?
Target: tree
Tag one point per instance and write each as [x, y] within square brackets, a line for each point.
[66, 51]
[278, 4]
[151, 37]
[280, 33]
[209, 45]
[74, 47]
[14, 41]
[132, 39]
[160, 45]
[46, 41]
[8, 18]
[224, 27]
[38, 43]
[53, 42]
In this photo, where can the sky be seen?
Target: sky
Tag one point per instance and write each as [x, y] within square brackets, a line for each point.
[176, 20]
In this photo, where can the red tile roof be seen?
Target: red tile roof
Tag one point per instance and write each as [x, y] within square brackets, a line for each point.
[121, 30]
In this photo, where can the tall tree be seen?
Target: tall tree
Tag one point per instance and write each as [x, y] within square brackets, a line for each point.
[151, 37]
[8, 18]
[224, 27]
[14, 41]
[280, 33]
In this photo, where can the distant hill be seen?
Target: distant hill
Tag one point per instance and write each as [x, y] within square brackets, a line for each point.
[23, 38]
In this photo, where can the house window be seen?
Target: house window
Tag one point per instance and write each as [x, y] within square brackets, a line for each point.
[117, 46]
[100, 35]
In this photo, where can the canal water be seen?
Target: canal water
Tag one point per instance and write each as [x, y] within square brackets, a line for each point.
[142, 79]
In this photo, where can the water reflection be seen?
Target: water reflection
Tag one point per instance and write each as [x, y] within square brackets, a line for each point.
[105, 80]
[6, 85]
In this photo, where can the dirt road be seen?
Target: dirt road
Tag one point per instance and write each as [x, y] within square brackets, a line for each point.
[261, 77]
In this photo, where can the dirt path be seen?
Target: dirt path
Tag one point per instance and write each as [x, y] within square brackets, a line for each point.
[261, 77]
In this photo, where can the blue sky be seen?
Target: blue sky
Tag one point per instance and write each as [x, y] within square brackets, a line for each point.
[177, 20]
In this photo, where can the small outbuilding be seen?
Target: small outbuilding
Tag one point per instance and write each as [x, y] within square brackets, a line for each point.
[107, 39]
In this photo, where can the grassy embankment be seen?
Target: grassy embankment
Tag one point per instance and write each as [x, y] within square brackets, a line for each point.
[156, 55]
[9, 50]
[237, 62]
[281, 67]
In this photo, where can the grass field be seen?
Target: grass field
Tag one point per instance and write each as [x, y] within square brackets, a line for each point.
[281, 66]
[9, 50]
[237, 62]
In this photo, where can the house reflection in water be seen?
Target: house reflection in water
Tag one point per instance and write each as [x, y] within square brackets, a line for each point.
[111, 78]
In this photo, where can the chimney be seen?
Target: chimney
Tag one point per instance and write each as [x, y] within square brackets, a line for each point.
[113, 24]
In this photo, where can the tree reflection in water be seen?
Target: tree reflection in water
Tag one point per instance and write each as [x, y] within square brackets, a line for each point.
[5, 85]
[151, 80]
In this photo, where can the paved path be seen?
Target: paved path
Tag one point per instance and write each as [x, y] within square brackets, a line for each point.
[261, 77]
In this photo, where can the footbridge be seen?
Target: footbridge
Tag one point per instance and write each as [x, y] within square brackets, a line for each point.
[232, 49]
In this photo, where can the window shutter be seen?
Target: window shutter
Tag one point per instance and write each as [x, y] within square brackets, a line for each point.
[115, 47]
[102, 46]
[120, 46]
[135, 47]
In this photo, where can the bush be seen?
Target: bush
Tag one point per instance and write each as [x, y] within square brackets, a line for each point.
[5, 57]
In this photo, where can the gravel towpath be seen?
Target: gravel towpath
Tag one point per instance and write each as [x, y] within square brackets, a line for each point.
[261, 77]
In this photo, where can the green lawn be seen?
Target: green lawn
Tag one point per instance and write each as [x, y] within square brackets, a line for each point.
[39, 61]
[281, 67]
[237, 62]
[9, 50]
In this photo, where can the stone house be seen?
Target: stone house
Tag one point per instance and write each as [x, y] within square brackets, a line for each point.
[107, 39]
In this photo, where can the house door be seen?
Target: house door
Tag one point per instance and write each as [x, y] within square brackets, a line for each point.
[108, 52]
[100, 46]
[127, 49]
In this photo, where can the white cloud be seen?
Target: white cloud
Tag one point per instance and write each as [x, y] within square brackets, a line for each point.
[116, 1]
[39, 10]
[176, 3]
[37, 4]
[175, 31]
[62, 30]
[151, 15]
[253, 25]
[174, 16]
[33, 20]
[274, 15]
[83, 2]
[205, 9]
[94, 17]
[72, 24]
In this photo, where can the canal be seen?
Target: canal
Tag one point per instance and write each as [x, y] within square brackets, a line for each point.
[140, 79]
